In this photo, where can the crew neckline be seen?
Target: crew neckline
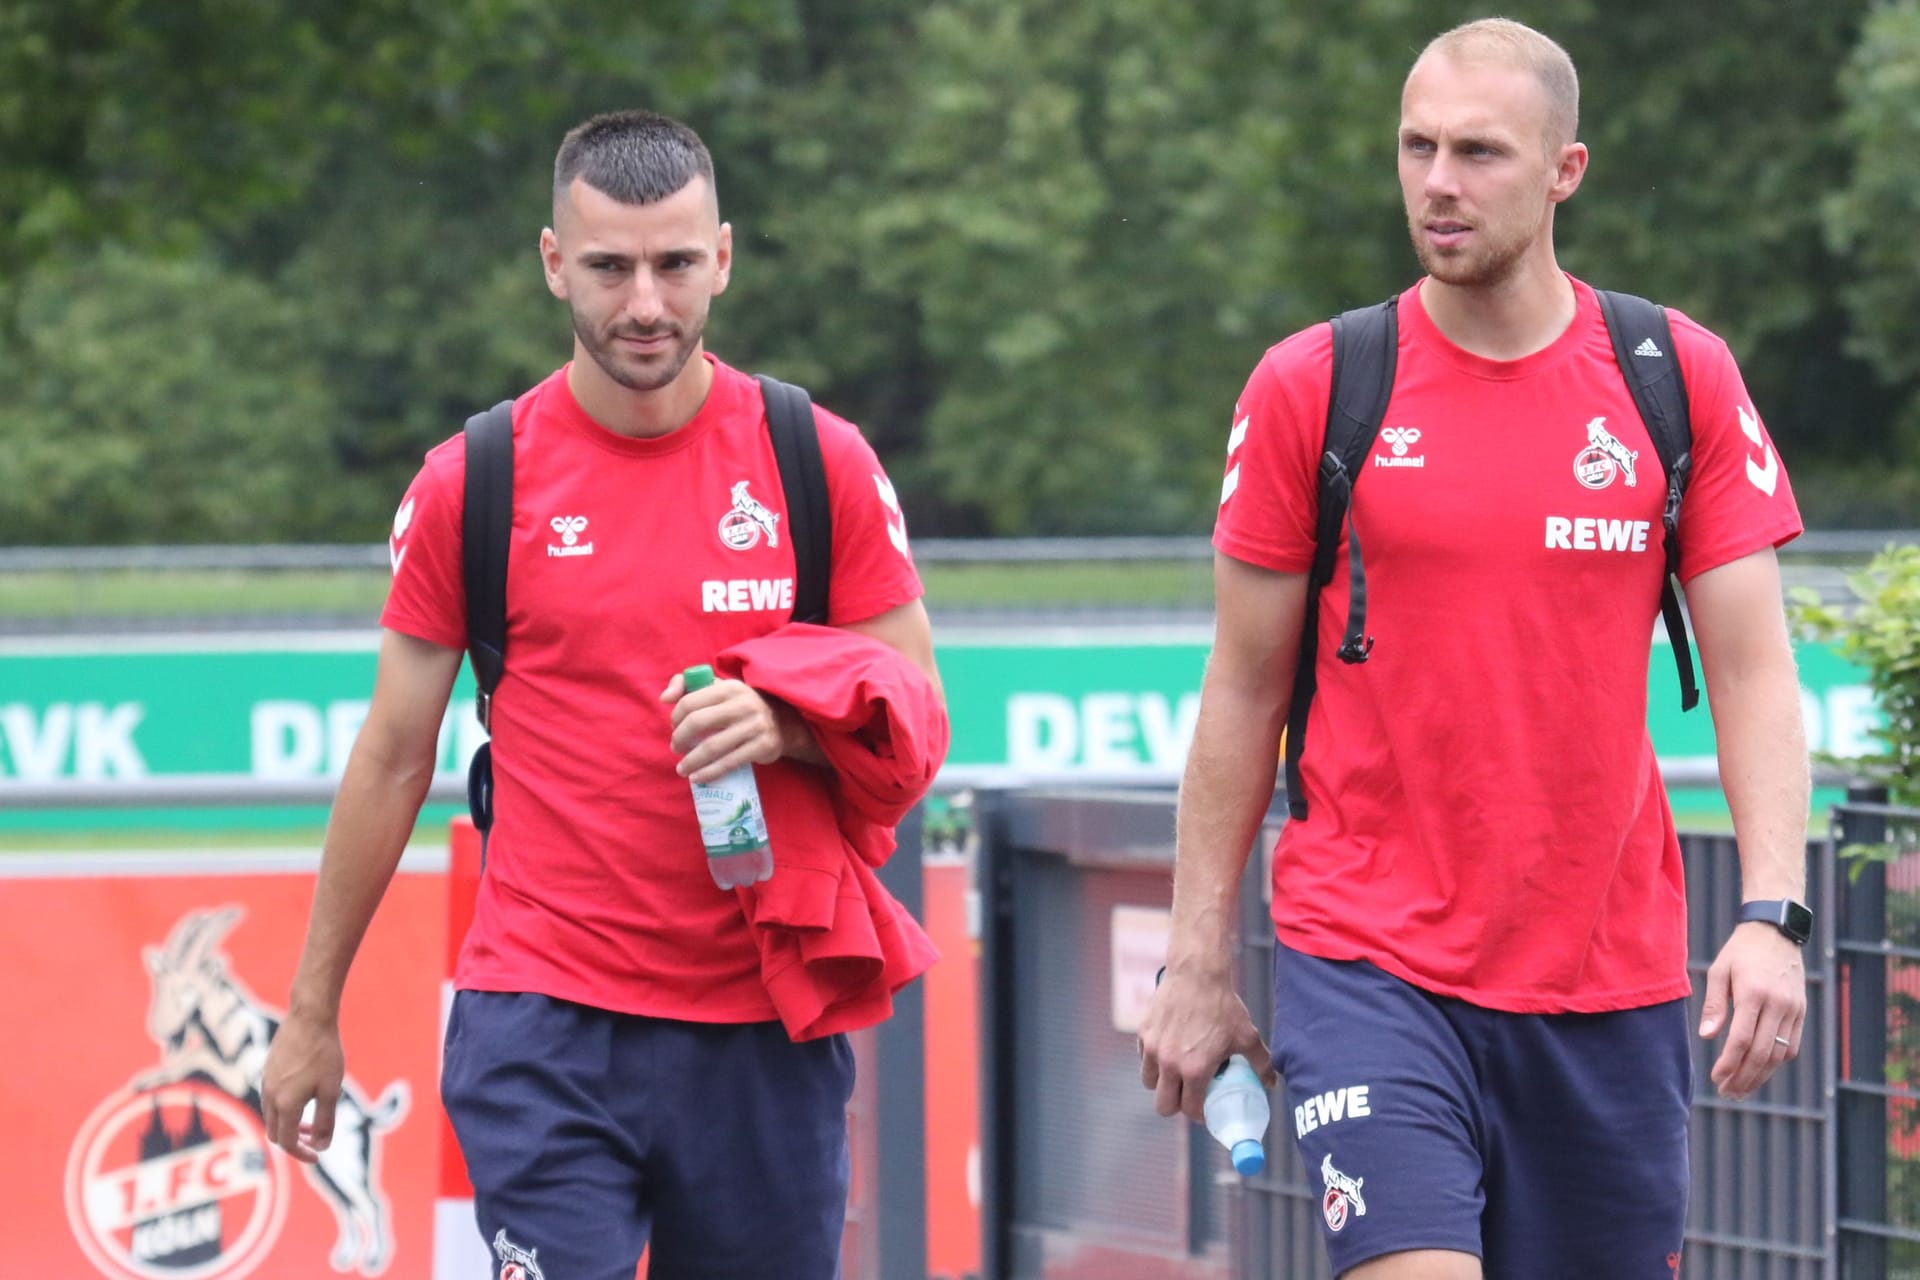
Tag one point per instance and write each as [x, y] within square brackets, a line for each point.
[1420, 327]
[724, 396]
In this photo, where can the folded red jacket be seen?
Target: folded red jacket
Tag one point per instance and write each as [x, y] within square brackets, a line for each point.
[834, 944]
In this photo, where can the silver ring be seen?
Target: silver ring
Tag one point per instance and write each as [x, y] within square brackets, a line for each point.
[1782, 1040]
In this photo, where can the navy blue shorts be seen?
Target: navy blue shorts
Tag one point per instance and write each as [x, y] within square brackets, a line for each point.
[587, 1132]
[1547, 1145]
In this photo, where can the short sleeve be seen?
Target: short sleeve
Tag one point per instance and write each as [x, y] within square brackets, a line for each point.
[1738, 500]
[428, 597]
[873, 569]
[1268, 495]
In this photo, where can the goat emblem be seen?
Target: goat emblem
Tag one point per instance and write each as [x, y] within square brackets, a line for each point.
[213, 1033]
[747, 519]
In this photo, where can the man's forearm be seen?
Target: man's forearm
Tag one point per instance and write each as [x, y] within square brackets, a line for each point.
[1224, 794]
[372, 819]
[1763, 770]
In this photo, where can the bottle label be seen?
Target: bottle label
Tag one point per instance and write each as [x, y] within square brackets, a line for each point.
[729, 814]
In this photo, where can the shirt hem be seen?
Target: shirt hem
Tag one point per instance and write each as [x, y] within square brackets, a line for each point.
[1500, 1001]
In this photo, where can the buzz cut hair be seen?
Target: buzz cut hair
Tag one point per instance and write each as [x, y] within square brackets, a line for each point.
[1520, 46]
[637, 157]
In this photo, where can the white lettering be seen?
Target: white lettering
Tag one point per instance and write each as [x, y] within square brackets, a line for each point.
[289, 740]
[1167, 731]
[1043, 731]
[37, 746]
[180, 1231]
[1109, 731]
[1350, 1103]
[1853, 721]
[104, 748]
[739, 595]
[1588, 533]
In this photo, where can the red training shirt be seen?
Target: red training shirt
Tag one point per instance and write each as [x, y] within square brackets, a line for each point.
[1485, 814]
[631, 559]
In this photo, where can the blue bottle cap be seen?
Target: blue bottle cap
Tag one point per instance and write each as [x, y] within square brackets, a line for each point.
[1249, 1157]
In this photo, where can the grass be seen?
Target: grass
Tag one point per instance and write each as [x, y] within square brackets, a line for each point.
[69, 597]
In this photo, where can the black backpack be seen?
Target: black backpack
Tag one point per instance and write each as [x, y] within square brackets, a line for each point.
[487, 531]
[1365, 343]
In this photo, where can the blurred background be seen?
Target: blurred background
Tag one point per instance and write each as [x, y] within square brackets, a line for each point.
[257, 257]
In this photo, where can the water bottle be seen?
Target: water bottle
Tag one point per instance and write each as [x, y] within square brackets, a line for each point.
[732, 826]
[1237, 1113]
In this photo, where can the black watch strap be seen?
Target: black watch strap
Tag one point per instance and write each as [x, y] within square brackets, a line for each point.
[1785, 914]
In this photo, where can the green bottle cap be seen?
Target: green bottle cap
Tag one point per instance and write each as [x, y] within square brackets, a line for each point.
[698, 677]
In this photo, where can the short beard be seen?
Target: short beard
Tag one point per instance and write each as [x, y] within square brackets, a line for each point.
[1495, 266]
[656, 376]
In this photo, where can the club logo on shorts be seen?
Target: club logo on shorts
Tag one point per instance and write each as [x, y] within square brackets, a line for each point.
[741, 527]
[1603, 459]
[1342, 1197]
[515, 1263]
[172, 1176]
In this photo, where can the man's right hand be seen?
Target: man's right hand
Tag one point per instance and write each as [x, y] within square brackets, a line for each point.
[305, 1064]
[1195, 1023]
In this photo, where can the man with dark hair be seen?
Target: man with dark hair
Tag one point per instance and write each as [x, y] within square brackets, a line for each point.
[635, 1055]
[1480, 974]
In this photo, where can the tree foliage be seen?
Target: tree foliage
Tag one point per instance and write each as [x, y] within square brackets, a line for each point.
[1033, 249]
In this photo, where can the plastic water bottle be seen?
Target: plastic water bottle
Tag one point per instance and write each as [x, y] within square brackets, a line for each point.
[1237, 1114]
[732, 826]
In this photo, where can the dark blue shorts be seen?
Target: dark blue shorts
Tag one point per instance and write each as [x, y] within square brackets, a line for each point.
[1548, 1145]
[587, 1132]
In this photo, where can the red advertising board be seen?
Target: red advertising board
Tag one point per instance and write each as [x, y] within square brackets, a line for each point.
[141, 1006]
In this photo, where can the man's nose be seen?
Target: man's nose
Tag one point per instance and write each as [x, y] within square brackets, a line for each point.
[1443, 177]
[644, 304]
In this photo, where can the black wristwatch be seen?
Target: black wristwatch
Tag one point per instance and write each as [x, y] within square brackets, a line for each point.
[1789, 917]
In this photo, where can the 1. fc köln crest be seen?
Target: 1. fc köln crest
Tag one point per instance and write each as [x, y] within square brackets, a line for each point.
[172, 1177]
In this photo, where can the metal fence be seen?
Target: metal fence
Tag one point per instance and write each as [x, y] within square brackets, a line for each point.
[55, 589]
[1810, 1179]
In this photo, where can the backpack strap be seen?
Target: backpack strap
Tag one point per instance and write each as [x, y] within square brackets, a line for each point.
[803, 478]
[486, 530]
[1643, 347]
[1365, 348]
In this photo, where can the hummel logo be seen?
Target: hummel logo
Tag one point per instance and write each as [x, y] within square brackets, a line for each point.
[1646, 348]
[569, 528]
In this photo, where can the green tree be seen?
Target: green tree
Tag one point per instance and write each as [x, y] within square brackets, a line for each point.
[121, 421]
[1872, 216]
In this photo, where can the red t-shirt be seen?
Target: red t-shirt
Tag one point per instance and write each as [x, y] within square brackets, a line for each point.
[1485, 815]
[631, 559]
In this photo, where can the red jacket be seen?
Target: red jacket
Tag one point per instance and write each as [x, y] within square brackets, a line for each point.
[834, 945]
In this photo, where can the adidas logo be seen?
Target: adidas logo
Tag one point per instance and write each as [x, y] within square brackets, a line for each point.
[1646, 348]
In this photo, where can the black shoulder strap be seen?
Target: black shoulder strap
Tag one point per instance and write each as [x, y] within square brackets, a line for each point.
[1643, 347]
[1365, 349]
[803, 477]
[486, 529]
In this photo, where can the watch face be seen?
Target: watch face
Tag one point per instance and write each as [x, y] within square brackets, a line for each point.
[1798, 922]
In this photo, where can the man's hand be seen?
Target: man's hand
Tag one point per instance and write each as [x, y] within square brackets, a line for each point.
[304, 1064]
[727, 724]
[1761, 973]
[1194, 1024]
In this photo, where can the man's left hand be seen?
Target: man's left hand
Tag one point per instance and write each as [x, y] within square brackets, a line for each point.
[723, 726]
[1760, 974]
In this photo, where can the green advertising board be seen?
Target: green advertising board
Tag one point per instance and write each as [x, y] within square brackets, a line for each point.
[1096, 701]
